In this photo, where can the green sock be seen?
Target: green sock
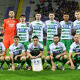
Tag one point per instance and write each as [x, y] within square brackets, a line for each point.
[43, 61]
[22, 63]
[49, 62]
[2, 62]
[64, 61]
[8, 62]
[28, 62]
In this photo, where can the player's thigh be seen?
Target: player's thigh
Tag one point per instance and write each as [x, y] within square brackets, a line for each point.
[6, 42]
[7, 58]
[65, 56]
[48, 58]
[23, 58]
[2, 58]
[11, 40]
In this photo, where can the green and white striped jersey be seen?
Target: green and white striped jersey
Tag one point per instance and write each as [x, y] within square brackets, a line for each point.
[57, 49]
[74, 47]
[37, 28]
[76, 26]
[22, 32]
[66, 28]
[51, 28]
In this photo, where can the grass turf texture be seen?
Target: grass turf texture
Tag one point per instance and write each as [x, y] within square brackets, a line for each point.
[43, 75]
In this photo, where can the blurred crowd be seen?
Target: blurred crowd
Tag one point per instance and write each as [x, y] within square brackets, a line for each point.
[61, 7]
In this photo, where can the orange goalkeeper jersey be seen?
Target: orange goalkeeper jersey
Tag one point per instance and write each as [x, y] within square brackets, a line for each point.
[9, 27]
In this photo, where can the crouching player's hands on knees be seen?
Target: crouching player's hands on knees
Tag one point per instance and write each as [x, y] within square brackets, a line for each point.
[33, 57]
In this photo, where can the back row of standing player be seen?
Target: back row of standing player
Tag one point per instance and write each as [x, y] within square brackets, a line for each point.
[65, 28]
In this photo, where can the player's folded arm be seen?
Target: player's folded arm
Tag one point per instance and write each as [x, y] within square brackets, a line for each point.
[78, 53]
[28, 53]
[64, 53]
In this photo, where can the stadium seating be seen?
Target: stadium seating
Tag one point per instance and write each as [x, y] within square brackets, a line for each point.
[5, 6]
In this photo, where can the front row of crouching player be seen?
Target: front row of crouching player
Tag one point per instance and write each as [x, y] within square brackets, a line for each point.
[19, 55]
[58, 53]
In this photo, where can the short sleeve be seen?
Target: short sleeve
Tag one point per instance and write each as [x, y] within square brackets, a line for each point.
[41, 47]
[29, 48]
[51, 49]
[30, 27]
[10, 50]
[71, 49]
[22, 46]
[3, 47]
[64, 48]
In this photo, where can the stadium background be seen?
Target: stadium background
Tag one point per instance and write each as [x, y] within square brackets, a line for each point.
[29, 8]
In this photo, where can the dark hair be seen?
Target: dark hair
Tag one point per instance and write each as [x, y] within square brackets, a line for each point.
[56, 35]
[38, 13]
[51, 13]
[77, 11]
[11, 10]
[22, 15]
[65, 13]
[16, 36]
[35, 37]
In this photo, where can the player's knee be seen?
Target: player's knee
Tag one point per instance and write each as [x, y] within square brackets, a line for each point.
[23, 58]
[7, 58]
[1, 58]
[42, 57]
[57, 57]
[48, 58]
[65, 57]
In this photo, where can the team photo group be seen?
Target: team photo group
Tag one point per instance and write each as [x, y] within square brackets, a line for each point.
[23, 43]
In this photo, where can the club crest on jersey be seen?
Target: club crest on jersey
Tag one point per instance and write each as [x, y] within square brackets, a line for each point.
[14, 21]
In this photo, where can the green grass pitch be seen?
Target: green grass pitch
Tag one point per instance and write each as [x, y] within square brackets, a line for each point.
[43, 75]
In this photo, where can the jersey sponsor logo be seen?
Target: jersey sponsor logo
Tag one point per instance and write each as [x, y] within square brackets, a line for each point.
[11, 25]
[17, 51]
[77, 27]
[77, 49]
[51, 26]
[37, 27]
[22, 30]
[58, 50]
[66, 26]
